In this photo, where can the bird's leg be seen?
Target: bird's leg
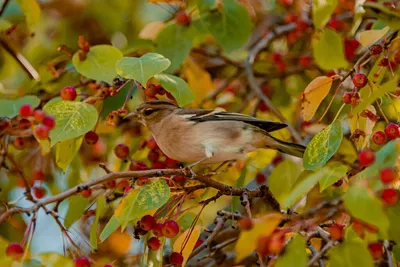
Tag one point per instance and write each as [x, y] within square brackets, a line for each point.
[208, 153]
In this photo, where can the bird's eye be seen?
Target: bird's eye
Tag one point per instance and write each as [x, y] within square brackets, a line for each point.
[148, 112]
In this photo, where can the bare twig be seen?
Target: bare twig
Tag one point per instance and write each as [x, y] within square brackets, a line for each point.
[322, 252]
[3, 6]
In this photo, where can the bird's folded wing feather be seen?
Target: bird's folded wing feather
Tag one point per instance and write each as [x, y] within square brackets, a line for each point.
[201, 115]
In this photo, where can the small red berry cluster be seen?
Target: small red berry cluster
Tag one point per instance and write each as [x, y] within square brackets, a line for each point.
[392, 131]
[169, 229]
[152, 90]
[389, 195]
[272, 244]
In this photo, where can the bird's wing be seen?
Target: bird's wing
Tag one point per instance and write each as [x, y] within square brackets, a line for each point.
[202, 115]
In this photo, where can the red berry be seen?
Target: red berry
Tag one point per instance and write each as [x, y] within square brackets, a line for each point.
[122, 184]
[26, 111]
[336, 231]
[152, 144]
[338, 183]
[277, 242]
[170, 96]
[198, 243]
[182, 18]
[281, 66]
[170, 228]
[157, 229]
[263, 245]
[111, 184]
[290, 17]
[19, 143]
[179, 179]
[147, 222]
[305, 61]
[127, 190]
[91, 138]
[121, 151]
[336, 24]
[42, 132]
[39, 115]
[49, 122]
[392, 130]
[86, 193]
[384, 62]
[68, 93]
[38, 176]
[286, 2]
[82, 262]
[366, 157]
[261, 178]
[153, 155]
[360, 80]
[388, 175]
[39, 192]
[158, 165]
[15, 251]
[151, 90]
[276, 57]
[390, 196]
[171, 163]
[379, 138]
[376, 250]
[24, 124]
[346, 98]
[176, 258]
[245, 224]
[154, 243]
[142, 181]
[263, 107]
[396, 57]
[375, 49]
[138, 166]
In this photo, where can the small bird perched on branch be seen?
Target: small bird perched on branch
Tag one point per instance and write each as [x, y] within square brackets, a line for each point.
[208, 136]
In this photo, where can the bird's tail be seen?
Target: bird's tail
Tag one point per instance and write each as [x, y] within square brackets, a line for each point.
[289, 148]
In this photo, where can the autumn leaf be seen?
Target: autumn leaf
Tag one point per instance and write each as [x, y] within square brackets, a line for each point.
[151, 30]
[190, 243]
[365, 125]
[315, 92]
[371, 36]
[247, 241]
[198, 79]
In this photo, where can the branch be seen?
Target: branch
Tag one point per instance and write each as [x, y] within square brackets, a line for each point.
[252, 80]
[3, 7]
[322, 252]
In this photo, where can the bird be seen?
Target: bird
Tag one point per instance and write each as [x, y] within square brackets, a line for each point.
[201, 136]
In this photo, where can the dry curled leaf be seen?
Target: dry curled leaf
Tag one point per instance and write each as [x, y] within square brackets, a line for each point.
[313, 95]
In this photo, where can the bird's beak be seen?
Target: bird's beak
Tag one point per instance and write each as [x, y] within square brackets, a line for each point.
[132, 115]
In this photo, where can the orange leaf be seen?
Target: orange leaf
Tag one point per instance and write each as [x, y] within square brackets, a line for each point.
[194, 236]
[247, 241]
[313, 95]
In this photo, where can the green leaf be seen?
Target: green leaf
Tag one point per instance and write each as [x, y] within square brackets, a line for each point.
[73, 119]
[350, 254]
[10, 108]
[76, 207]
[177, 87]
[99, 63]
[368, 98]
[385, 157]
[332, 176]
[394, 222]
[4, 24]
[322, 147]
[117, 101]
[328, 42]
[282, 179]
[31, 10]
[322, 11]
[364, 205]
[378, 10]
[174, 42]
[66, 151]
[110, 227]
[142, 200]
[231, 26]
[101, 203]
[295, 253]
[143, 68]
[303, 187]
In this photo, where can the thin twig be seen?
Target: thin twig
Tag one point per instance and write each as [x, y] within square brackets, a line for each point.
[322, 252]
[3, 7]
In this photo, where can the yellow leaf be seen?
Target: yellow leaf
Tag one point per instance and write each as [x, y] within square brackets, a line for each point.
[247, 241]
[371, 36]
[180, 242]
[151, 30]
[364, 124]
[313, 95]
[198, 79]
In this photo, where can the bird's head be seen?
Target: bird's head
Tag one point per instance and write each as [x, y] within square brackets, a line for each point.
[152, 112]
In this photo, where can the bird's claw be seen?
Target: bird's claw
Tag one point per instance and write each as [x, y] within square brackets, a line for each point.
[189, 172]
